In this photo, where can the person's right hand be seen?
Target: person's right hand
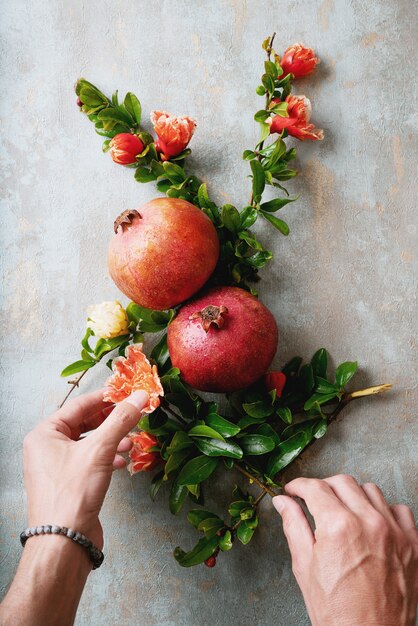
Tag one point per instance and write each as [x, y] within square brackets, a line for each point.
[359, 567]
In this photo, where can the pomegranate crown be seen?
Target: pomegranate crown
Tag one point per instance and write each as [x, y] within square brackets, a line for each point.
[127, 217]
[211, 314]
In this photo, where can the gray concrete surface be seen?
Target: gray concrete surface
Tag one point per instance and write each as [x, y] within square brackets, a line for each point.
[343, 279]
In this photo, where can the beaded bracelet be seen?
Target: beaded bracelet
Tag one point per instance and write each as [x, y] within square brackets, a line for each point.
[96, 555]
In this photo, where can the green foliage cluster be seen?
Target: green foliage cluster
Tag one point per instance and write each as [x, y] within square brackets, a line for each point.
[242, 254]
[259, 434]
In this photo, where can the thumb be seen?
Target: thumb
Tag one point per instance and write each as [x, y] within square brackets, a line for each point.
[122, 419]
[296, 528]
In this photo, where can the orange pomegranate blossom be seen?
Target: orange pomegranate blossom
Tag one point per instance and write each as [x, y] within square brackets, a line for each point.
[134, 372]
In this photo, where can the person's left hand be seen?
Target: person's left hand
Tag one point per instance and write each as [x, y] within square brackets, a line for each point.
[66, 478]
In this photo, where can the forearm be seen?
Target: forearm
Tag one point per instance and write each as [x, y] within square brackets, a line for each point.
[48, 583]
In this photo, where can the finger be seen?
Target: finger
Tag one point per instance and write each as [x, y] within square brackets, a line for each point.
[296, 527]
[320, 499]
[124, 445]
[405, 518]
[94, 421]
[122, 419]
[119, 462]
[347, 489]
[91, 423]
[76, 411]
[377, 499]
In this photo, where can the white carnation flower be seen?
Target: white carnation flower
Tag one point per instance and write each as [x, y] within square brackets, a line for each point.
[107, 319]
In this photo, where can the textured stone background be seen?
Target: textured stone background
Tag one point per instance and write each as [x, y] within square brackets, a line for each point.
[343, 279]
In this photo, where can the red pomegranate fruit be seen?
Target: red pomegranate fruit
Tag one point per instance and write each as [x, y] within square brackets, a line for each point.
[163, 252]
[223, 340]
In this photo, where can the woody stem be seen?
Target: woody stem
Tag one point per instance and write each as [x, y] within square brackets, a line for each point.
[74, 384]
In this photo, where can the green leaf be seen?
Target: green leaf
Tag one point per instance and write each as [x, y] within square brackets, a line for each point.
[277, 223]
[320, 429]
[174, 172]
[231, 218]
[103, 346]
[246, 421]
[319, 398]
[133, 106]
[286, 451]
[268, 431]
[203, 197]
[85, 340]
[345, 372]
[265, 131]
[256, 444]
[280, 108]
[292, 367]
[156, 483]
[221, 425]
[235, 508]
[160, 352]
[258, 409]
[91, 97]
[259, 179]
[248, 216]
[196, 516]
[215, 448]
[324, 386]
[144, 175]
[285, 414]
[247, 155]
[261, 116]
[203, 550]
[174, 461]
[277, 203]
[252, 241]
[268, 82]
[168, 427]
[204, 431]
[319, 363]
[225, 542]
[197, 470]
[86, 356]
[306, 378]
[245, 532]
[150, 321]
[271, 69]
[180, 441]
[178, 495]
[210, 526]
[77, 366]
[115, 115]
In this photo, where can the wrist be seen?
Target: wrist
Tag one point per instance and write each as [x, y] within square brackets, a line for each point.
[80, 523]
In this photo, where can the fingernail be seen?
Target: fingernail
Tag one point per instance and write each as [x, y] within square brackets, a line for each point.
[139, 399]
[279, 503]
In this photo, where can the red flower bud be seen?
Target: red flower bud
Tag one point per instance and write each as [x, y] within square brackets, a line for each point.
[174, 133]
[143, 459]
[79, 103]
[298, 60]
[210, 562]
[297, 124]
[124, 148]
[275, 380]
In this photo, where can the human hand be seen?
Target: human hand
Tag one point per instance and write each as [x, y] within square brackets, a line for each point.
[360, 565]
[66, 478]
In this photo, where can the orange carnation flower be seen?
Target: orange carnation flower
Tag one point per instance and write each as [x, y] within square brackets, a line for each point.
[298, 123]
[298, 60]
[134, 372]
[174, 133]
[143, 458]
